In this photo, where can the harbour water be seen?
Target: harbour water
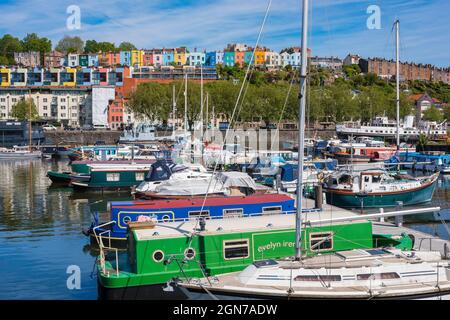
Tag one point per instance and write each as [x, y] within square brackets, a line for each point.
[40, 231]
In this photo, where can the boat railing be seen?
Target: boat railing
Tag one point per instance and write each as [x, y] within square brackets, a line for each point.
[104, 249]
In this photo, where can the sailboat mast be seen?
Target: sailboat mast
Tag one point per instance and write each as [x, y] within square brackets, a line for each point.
[174, 109]
[301, 132]
[397, 78]
[30, 128]
[185, 105]
[201, 101]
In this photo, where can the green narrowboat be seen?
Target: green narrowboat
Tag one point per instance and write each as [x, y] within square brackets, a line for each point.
[160, 253]
[111, 177]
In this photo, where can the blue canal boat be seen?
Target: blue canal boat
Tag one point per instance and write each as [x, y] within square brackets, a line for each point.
[124, 212]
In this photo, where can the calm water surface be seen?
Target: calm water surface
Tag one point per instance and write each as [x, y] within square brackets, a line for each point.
[40, 231]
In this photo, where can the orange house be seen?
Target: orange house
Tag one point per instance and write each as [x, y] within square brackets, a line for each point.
[239, 57]
[260, 57]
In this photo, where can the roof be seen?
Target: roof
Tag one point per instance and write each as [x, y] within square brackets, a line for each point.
[198, 202]
[244, 224]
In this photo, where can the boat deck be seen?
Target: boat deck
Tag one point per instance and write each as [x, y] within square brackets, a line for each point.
[423, 241]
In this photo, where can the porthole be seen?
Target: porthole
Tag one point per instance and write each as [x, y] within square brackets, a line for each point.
[158, 256]
[126, 219]
[189, 253]
[165, 218]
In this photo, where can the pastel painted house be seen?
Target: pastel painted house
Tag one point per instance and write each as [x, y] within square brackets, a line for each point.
[228, 58]
[125, 58]
[136, 58]
[158, 59]
[93, 60]
[84, 77]
[196, 58]
[5, 77]
[147, 58]
[210, 59]
[168, 57]
[73, 60]
[180, 56]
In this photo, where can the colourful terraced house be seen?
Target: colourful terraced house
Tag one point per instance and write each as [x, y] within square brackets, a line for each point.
[5, 77]
[228, 58]
[180, 56]
[136, 58]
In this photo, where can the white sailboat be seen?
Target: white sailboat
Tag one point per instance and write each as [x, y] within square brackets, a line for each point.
[384, 273]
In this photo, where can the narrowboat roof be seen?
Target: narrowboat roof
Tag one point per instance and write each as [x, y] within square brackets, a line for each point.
[198, 201]
[119, 167]
[114, 162]
[243, 224]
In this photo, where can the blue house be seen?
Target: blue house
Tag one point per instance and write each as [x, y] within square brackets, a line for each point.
[93, 60]
[168, 58]
[210, 59]
[248, 57]
[125, 58]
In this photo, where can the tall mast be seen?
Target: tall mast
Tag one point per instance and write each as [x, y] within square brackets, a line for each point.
[397, 77]
[301, 132]
[174, 109]
[30, 128]
[201, 101]
[185, 105]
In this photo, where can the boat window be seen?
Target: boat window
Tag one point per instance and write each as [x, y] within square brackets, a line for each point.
[233, 213]
[158, 256]
[189, 253]
[318, 278]
[376, 179]
[321, 241]
[236, 249]
[113, 177]
[378, 276]
[165, 218]
[272, 210]
[194, 214]
[140, 176]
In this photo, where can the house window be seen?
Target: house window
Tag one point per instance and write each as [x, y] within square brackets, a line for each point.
[236, 249]
[195, 214]
[233, 213]
[113, 177]
[272, 210]
[140, 176]
[321, 241]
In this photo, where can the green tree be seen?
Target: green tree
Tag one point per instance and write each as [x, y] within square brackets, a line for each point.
[126, 46]
[70, 44]
[433, 114]
[21, 110]
[9, 45]
[91, 46]
[106, 47]
[32, 42]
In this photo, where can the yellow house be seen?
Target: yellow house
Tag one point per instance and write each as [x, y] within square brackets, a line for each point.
[180, 57]
[5, 77]
[72, 72]
[137, 58]
[260, 57]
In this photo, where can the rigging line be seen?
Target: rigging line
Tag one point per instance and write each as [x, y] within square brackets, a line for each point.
[284, 107]
[235, 107]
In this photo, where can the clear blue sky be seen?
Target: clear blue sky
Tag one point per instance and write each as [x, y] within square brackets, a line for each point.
[338, 26]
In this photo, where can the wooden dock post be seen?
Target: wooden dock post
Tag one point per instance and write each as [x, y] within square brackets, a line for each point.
[318, 196]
